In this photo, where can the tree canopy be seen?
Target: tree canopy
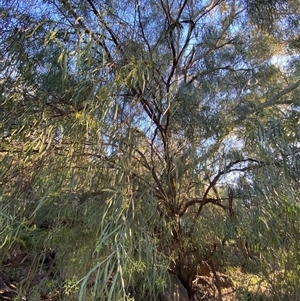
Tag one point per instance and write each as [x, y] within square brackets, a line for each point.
[151, 136]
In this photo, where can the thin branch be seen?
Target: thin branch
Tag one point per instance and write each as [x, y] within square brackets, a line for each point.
[228, 169]
[205, 10]
[78, 19]
[202, 202]
[142, 28]
[97, 14]
[273, 101]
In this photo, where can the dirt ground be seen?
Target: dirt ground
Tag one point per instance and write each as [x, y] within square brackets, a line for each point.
[47, 285]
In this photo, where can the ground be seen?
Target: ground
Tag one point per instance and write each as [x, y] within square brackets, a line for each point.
[47, 285]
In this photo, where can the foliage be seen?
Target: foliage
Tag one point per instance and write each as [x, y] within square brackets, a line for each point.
[150, 137]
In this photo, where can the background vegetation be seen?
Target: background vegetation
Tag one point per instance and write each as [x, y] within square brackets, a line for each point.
[145, 139]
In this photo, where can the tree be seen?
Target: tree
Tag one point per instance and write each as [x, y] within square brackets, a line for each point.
[147, 113]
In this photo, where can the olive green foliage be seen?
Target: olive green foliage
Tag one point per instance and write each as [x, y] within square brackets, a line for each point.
[149, 137]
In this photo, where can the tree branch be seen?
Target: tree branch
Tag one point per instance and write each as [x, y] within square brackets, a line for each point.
[97, 14]
[273, 101]
[202, 202]
[78, 19]
[228, 169]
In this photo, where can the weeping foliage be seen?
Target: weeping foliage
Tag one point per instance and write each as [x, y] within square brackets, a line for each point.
[140, 140]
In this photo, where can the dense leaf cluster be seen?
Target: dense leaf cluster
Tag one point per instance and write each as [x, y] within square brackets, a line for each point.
[166, 133]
